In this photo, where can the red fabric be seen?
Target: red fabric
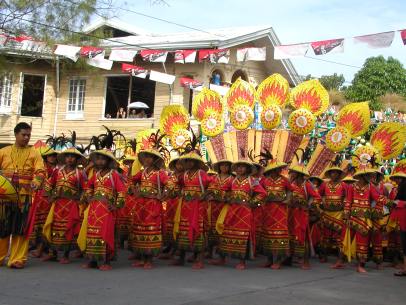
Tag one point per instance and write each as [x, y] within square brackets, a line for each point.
[107, 230]
[74, 223]
[31, 219]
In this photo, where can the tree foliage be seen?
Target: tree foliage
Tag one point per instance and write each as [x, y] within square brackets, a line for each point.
[332, 82]
[377, 77]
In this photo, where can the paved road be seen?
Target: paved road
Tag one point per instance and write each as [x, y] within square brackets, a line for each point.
[55, 284]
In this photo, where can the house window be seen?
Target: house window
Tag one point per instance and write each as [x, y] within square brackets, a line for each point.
[32, 100]
[121, 94]
[6, 85]
[76, 102]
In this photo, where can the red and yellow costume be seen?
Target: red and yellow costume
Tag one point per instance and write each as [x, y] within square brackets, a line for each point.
[358, 207]
[191, 215]
[275, 230]
[299, 215]
[24, 168]
[332, 211]
[104, 193]
[172, 202]
[147, 212]
[63, 222]
[236, 224]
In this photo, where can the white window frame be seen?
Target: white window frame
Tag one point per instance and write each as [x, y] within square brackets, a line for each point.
[6, 91]
[76, 114]
[21, 89]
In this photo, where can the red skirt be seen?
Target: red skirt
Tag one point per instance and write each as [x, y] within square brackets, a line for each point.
[275, 230]
[66, 223]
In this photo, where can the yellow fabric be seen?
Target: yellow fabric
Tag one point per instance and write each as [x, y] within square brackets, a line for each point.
[25, 161]
[136, 167]
[176, 220]
[46, 230]
[83, 231]
[334, 214]
[392, 225]
[221, 218]
[18, 249]
[349, 246]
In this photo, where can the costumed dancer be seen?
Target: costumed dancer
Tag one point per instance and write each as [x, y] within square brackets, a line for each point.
[333, 192]
[275, 231]
[220, 188]
[315, 220]
[358, 209]
[191, 214]
[41, 204]
[23, 172]
[105, 192]
[235, 223]
[147, 210]
[304, 197]
[64, 190]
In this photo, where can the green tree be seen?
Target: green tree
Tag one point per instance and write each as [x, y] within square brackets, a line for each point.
[377, 77]
[332, 82]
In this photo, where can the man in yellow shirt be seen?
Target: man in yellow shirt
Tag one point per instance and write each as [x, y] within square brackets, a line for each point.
[23, 166]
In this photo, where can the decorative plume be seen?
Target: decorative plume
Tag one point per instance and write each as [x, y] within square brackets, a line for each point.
[192, 145]
[156, 140]
[306, 155]
[54, 142]
[106, 140]
[265, 157]
[337, 160]
[251, 155]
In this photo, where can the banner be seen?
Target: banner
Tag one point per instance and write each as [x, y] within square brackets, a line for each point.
[190, 83]
[70, 52]
[90, 52]
[328, 46]
[218, 56]
[185, 56]
[23, 43]
[162, 77]
[153, 55]
[254, 54]
[290, 51]
[99, 61]
[122, 55]
[403, 36]
[134, 70]
[376, 41]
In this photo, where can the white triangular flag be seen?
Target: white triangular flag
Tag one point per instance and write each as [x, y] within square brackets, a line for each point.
[100, 62]
[255, 54]
[70, 52]
[290, 51]
[376, 41]
[122, 55]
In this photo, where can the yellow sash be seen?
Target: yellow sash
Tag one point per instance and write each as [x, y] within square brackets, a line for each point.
[349, 246]
[83, 231]
[392, 225]
[176, 220]
[221, 218]
[46, 230]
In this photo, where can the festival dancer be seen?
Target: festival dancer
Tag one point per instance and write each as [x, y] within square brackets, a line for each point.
[23, 167]
[147, 210]
[105, 192]
[235, 223]
[275, 231]
[220, 188]
[304, 196]
[332, 192]
[64, 189]
[41, 203]
[191, 214]
[357, 212]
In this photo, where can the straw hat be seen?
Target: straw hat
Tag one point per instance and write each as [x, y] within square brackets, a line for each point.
[349, 179]
[160, 161]
[172, 163]
[249, 164]
[216, 166]
[47, 151]
[364, 171]
[130, 158]
[106, 153]
[193, 155]
[7, 190]
[274, 165]
[301, 169]
[71, 151]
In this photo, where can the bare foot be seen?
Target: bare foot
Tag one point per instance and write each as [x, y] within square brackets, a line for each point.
[17, 265]
[148, 266]
[305, 266]
[241, 266]
[105, 267]
[217, 262]
[138, 264]
[361, 269]
[276, 266]
[198, 265]
[64, 261]
[338, 265]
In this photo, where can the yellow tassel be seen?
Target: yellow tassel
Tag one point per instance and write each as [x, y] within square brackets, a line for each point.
[221, 218]
[176, 220]
[83, 231]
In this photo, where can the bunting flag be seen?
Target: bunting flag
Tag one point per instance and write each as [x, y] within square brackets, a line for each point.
[217, 56]
[185, 56]
[122, 55]
[190, 83]
[403, 36]
[254, 54]
[134, 70]
[154, 55]
[290, 51]
[162, 77]
[23, 43]
[328, 46]
[70, 52]
[99, 61]
[376, 41]
[90, 52]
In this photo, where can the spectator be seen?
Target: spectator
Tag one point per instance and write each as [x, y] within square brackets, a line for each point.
[121, 114]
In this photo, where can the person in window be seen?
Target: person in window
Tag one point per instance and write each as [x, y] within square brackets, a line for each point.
[121, 114]
[216, 79]
[108, 116]
[141, 114]
[132, 114]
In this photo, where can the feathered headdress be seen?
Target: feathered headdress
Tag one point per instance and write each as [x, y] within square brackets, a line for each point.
[174, 122]
[302, 161]
[156, 148]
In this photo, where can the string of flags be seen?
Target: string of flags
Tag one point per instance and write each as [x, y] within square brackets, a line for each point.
[330, 46]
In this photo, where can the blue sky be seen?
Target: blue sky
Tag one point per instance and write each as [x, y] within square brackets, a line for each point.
[293, 21]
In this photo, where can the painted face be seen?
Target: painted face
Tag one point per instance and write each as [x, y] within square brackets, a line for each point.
[224, 168]
[101, 161]
[70, 160]
[23, 137]
[51, 159]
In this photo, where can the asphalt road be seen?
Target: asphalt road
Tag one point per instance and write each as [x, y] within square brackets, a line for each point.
[54, 284]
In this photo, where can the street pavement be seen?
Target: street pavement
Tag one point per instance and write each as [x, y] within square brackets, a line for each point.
[51, 283]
